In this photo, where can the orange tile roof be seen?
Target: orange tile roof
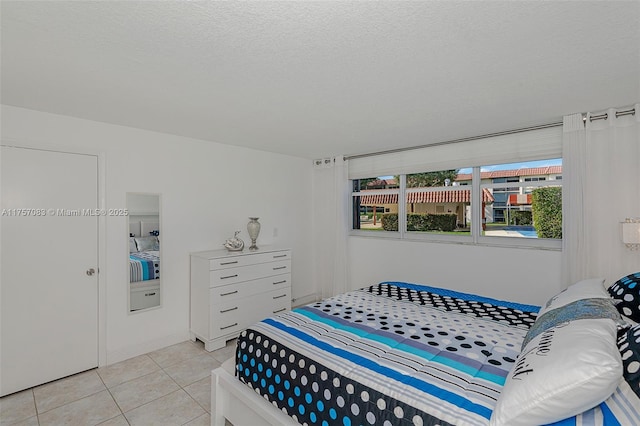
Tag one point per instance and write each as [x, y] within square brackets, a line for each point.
[530, 171]
[382, 182]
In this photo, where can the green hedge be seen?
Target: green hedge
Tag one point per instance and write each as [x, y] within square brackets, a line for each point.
[517, 217]
[546, 207]
[421, 222]
[390, 221]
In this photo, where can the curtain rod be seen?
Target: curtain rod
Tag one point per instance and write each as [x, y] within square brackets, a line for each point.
[604, 116]
[471, 138]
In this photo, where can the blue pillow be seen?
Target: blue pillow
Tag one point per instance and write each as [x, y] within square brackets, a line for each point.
[626, 293]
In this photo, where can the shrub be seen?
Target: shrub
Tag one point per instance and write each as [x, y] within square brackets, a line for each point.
[421, 222]
[390, 221]
[518, 217]
[546, 207]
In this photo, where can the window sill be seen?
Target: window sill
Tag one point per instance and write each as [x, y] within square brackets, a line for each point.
[501, 242]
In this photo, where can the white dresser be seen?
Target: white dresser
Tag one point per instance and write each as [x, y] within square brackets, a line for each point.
[231, 290]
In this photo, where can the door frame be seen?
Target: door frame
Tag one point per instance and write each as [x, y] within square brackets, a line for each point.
[102, 230]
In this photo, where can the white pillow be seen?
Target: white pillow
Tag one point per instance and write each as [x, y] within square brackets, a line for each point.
[592, 288]
[147, 243]
[562, 372]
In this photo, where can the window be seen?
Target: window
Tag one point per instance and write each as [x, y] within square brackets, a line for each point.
[530, 209]
[374, 200]
[490, 199]
[437, 204]
[442, 203]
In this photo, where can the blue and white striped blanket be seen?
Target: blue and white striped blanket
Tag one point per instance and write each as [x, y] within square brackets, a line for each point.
[393, 352]
[390, 354]
[144, 265]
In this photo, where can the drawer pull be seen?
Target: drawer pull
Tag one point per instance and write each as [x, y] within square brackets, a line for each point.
[280, 282]
[279, 267]
[229, 326]
[278, 297]
[227, 294]
[229, 310]
[228, 263]
[229, 276]
[279, 255]
[150, 294]
[279, 310]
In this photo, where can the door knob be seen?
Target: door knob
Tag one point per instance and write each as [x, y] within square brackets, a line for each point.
[91, 271]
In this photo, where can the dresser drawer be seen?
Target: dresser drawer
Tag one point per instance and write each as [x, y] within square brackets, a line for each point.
[234, 315]
[237, 261]
[225, 293]
[247, 273]
[228, 319]
[145, 297]
[279, 301]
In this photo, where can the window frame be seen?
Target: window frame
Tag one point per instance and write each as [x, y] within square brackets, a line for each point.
[475, 237]
[547, 243]
[388, 191]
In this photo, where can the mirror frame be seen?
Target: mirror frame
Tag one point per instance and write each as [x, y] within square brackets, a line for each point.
[143, 214]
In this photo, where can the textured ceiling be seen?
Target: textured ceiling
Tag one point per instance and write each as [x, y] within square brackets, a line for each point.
[315, 79]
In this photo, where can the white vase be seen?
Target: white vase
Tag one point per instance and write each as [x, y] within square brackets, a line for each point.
[253, 228]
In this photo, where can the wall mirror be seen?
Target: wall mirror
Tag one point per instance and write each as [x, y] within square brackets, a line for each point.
[145, 235]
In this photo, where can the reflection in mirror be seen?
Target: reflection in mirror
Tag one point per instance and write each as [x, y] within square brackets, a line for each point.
[144, 250]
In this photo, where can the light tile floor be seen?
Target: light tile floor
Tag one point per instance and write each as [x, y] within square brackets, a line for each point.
[171, 386]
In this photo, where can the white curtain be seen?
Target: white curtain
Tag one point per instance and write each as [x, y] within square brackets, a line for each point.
[330, 227]
[536, 144]
[574, 159]
[601, 187]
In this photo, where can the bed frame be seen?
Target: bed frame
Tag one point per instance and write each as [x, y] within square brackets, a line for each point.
[236, 402]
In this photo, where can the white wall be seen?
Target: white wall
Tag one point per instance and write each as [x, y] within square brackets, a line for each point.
[143, 203]
[208, 191]
[523, 275]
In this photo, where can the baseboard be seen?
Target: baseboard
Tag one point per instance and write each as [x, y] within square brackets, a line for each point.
[303, 300]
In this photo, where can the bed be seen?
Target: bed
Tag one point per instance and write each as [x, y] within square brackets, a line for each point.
[405, 354]
[144, 266]
[144, 251]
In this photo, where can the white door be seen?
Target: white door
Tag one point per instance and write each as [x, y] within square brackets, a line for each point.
[49, 242]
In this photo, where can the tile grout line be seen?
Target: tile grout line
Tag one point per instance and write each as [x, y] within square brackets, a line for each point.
[180, 387]
[33, 389]
[183, 388]
[114, 400]
[35, 406]
[160, 369]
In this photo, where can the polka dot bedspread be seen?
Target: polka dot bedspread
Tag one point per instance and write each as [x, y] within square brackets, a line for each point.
[390, 354]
